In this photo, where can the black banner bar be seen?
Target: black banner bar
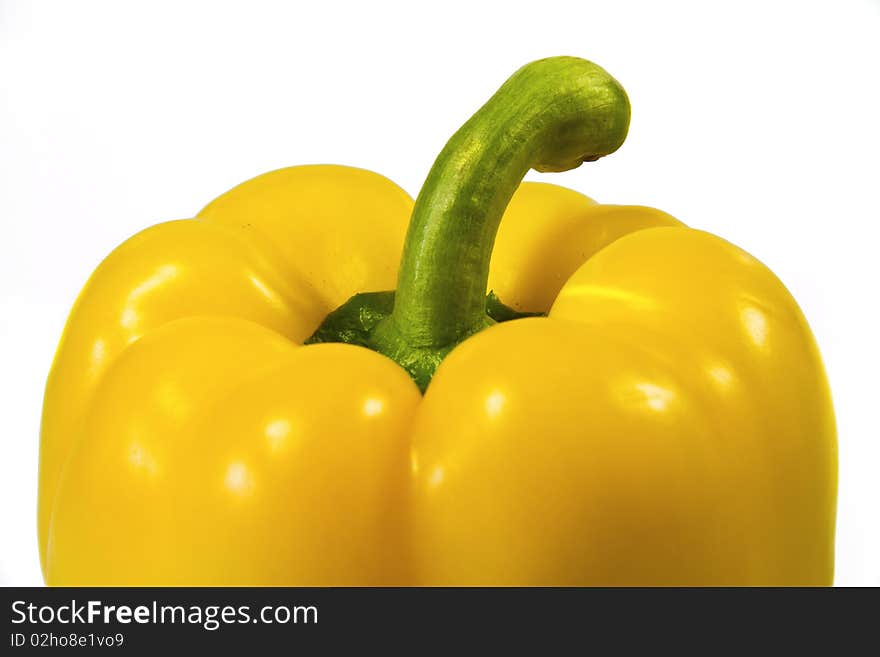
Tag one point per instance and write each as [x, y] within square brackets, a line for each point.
[114, 619]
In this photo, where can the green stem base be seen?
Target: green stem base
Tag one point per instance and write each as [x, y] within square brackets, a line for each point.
[359, 321]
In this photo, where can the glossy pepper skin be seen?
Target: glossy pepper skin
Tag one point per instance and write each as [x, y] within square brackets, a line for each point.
[666, 421]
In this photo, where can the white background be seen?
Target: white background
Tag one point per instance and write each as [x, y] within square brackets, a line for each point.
[759, 121]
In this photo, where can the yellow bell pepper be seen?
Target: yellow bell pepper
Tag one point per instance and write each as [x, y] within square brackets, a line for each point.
[647, 405]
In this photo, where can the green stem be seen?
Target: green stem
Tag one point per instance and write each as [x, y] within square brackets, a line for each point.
[551, 115]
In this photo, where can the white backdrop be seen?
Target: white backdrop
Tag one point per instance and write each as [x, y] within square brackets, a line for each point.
[759, 121]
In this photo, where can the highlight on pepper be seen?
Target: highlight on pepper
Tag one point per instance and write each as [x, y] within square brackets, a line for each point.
[318, 381]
